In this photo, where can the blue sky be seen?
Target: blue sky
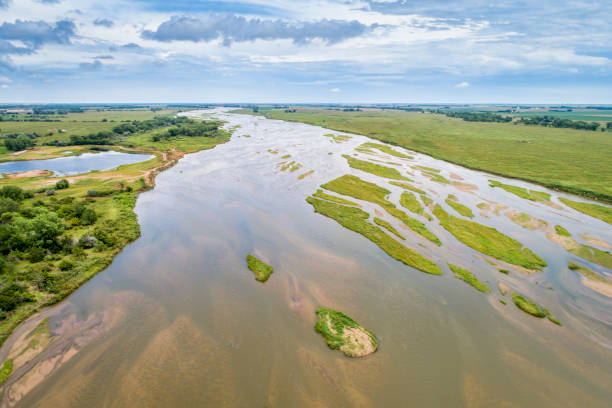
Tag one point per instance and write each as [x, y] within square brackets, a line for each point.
[325, 51]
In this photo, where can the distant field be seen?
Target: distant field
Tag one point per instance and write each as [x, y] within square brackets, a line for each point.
[566, 159]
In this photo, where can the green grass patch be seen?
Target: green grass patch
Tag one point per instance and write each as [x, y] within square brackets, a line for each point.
[363, 190]
[460, 208]
[336, 327]
[489, 241]
[469, 278]
[329, 197]
[385, 149]
[426, 200]
[388, 227]
[504, 271]
[408, 187]
[338, 138]
[304, 175]
[592, 254]
[5, 371]
[531, 195]
[527, 306]
[594, 210]
[373, 168]
[562, 231]
[427, 169]
[410, 202]
[588, 273]
[286, 156]
[261, 270]
[502, 301]
[355, 219]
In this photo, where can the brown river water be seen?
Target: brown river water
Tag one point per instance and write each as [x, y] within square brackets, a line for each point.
[178, 320]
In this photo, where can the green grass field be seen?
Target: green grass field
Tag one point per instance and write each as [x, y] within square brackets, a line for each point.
[566, 159]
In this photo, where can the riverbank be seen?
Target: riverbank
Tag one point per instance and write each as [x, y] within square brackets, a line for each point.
[79, 246]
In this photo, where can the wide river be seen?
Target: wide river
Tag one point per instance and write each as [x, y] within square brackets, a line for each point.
[178, 320]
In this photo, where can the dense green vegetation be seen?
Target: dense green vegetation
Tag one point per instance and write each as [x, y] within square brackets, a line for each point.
[594, 210]
[571, 160]
[385, 149]
[457, 206]
[532, 195]
[388, 227]
[478, 116]
[362, 190]
[335, 327]
[5, 371]
[469, 278]
[261, 270]
[530, 307]
[489, 241]
[592, 254]
[373, 168]
[551, 121]
[16, 142]
[329, 197]
[562, 231]
[409, 201]
[355, 219]
[407, 187]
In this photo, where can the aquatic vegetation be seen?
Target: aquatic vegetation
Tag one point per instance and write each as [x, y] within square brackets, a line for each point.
[410, 202]
[304, 175]
[345, 334]
[562, 231]
[436, 177]
[592, 254]
[338, 138]
[273, 151]
[489, 241]
[363, 190]
[285, 166]
[329, 197]
[502, 301]
[527, 306]
[355, 220]
[532, 195]
[457, 206]
[5, 371]
[526, 221]
[408, 187]
[388, 227]
[427, 169]
[530, 307]
[261, 270]
[426, 200]
[286, 156]
[469, 278]
[594, 210]
[483, 206]
[295, 167]
[373, 168]
[385, 149]
[504, 271]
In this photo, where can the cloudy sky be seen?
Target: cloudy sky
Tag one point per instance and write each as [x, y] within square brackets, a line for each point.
[545, 51]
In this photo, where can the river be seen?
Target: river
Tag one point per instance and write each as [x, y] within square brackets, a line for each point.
[178, 320]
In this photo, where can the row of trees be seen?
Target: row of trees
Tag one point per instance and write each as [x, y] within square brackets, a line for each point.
[551, 121]
[193, 129]
[16, 142]
[478, 116]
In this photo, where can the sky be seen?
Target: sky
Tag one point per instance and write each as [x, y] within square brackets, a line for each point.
[297, 51]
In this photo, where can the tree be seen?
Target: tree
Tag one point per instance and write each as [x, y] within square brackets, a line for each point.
[12, 192]
[62, 184]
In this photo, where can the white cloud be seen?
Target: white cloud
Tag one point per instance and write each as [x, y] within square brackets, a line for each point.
[4, 86]
[5, 80]
[462, 85]
[334, 90]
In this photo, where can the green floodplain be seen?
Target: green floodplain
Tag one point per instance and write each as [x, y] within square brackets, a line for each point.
[576, 161]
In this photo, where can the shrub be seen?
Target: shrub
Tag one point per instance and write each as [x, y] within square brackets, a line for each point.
[87, 241]
[88, 216]
[12, 192]
[50, 192]
[62, 184]
[65, 265]
[36, 254]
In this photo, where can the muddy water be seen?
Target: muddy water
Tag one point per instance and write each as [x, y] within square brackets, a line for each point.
[178, 320]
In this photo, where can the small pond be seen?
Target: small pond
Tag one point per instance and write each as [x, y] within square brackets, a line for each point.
[67, 166]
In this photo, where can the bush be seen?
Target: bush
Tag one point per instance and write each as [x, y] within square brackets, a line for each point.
[50, 192]
[88, 216]
[87, 241]
[36, 254]
[8, 205]
[12, 192]
[62, 184]
[65, 265]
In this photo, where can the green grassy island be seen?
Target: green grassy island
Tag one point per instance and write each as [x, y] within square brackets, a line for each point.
[345, 334]
[261, 270]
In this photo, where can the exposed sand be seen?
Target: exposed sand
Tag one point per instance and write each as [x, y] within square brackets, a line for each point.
[599, 287]
[467, 187]
[29, 174]
[595, 241]
[531, 223]
[566, 242]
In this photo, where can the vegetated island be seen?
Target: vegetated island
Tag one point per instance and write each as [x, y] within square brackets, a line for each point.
[55, 233]
[261, 270]
[345, 334]
[530, 307]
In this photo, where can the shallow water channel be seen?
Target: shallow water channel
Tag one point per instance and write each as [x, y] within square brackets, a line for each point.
[71, 165]
[178, 320]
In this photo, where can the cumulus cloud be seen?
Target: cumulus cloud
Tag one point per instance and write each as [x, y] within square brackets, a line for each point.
[37, 33]
[463, 85]
[103, 22]
[232, 28]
